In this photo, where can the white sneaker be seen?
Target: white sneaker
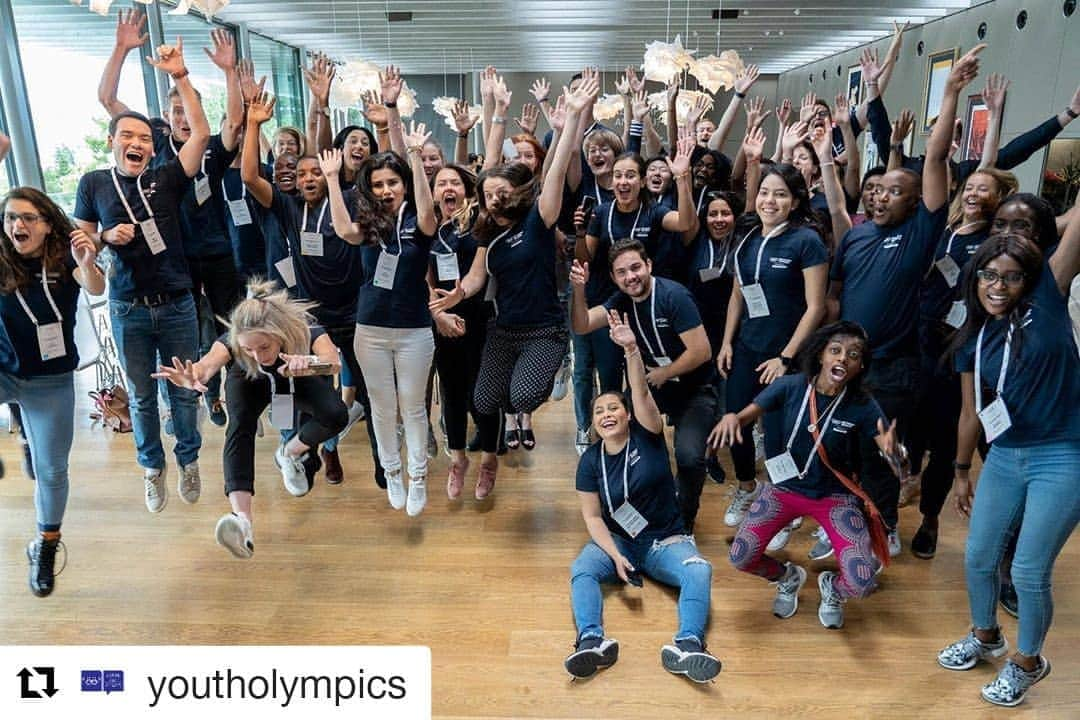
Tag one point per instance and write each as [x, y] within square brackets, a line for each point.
[582, 442]
[292, 472]
[741, 501]
[562, 380]
[356, 414]
[235, 535]
[395, 489]
[157, 492]
[780, 539]
[417, 496]
[895, 546]
[189, 484]
[823, 547]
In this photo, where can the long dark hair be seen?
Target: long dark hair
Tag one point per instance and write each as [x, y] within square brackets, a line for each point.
[644, 196]
[518, 204]
[801, 214]
[727, 196]
[1030, 259]
[343, 134]
[1045, 222]
[370, 211]
[722, 172]
[808, 357]
[13, 271]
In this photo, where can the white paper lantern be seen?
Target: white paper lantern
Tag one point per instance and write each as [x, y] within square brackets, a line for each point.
[101, 7]
[608, 107]
[444, 107]
[717, 72]
[406, 102]
[663, 61]
[206, 7]
[353, 79]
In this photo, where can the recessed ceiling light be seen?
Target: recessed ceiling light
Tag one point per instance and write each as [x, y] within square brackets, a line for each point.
[797, 11]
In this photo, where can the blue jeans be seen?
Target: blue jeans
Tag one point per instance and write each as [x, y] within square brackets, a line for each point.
[142, 333]
[673, 561]
[594, 351]
[1041, 484]
[48, 412]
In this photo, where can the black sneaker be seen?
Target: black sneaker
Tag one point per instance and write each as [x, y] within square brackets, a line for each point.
[1008, 600]
[688, 657]
[312, 464]
[216, 410]
[42, 556]
[591, 654]
[924, 542]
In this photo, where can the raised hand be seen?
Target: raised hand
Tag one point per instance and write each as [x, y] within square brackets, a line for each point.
[639, 106]
[487, 81]
[842, 110]
[753, 144]
[374, 110]
[673, 88]
[530, 115]
[579, 273]
[330, 162]
[585, 95]
[540, 89]
[901, 126]
[501, 94]
[871, 66]
[965, 70]
[170, 58]
[755, 112]
[261, 108]
[249, 89]
[793, 136]
[417, 135]
[783, 113]
[224, 54]
[182, 374]
[821, 139]
[993, 93]
[681, 164]
[621, 334]
[636, 84]
[129, 30]
[320, 76]
[746, 78]
[622, 86]
[464, 120]
[83, 249]
[697, 109]
[807, 109]
[390, 84]
[557, 118]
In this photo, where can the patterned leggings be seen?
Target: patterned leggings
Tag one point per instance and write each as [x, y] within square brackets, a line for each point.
[518, 368]
[840, 516]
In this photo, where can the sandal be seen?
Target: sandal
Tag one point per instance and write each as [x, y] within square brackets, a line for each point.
[512, 438]
[528, 440]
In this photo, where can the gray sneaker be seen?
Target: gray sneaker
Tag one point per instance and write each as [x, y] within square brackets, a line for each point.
[293, 473]
[786, 603]
[234, 534]
[690, 658]
[741, 500]
[157, 492]
[189, 484]
[591, 654]
[831, 610]
[1013, 682]
[964, 653]
[780, 539]
[823, 547]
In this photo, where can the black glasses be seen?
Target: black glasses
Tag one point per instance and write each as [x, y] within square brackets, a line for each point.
[27, 218]
[991, 277]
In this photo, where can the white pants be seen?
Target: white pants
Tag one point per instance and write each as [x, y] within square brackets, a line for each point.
[396, 363]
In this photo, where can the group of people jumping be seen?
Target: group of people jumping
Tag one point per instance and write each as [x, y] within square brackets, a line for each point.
[877, 328]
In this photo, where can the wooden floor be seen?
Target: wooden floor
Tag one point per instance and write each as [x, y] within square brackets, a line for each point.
[486, 586]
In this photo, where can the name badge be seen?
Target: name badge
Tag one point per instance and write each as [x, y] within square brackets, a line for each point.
[311, 243]
[949, 270]
[202, 189]
[710, 273]
[446, 266]
[756, 304]
[492, 288]
[630, 519]
[781, 468]
[957, 314]
[995, 419]
[662, 360]
[385, 270]
[51, 341]
[241, 214]
[153, 236]
[281, 411]
[286, 270]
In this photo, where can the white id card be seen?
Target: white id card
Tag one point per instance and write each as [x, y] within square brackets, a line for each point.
[285, 269]
[949, 270]
[50, 340]
[153, 236]
[241, 214]
[709, 274]
[957, 314]
[447, 267]
[781, 468]
[662, 361]
[202, 189]
[995, 419]
[281, 411]
[630, 519]
[756, 304]
[385, 270]
[311, 243]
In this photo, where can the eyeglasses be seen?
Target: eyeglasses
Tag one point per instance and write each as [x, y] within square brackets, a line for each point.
[991, 277]
[27, 218]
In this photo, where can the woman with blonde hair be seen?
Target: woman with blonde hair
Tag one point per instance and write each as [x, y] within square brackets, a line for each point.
[273, 351]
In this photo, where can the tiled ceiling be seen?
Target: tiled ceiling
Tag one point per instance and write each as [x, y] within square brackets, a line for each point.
[552, 35]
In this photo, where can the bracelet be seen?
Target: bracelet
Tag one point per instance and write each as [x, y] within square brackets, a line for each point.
[542, 100]
[463, 135]
[496, 120]
[740, 95]
[826, 164]
[961, 466]
[390, 104]
[680, 176]
[1071, 113]
[184, 73]
[414, 149]
[627, 356]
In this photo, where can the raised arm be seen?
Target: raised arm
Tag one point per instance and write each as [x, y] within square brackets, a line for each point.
[834, 193]
[743, 82]
[993, 95]
[557, 118]
[171, 60]
[782, 114]
[901, 128]
[892, 57]
[259, 111]
[935, 178]
[645, 409]
[551, 195]
[376, 114]
[224, 56]
[672, 112]
[493, 155]
[752, 147]
[1065, 262]
[852, 182]
[5, 146]
[391, 90]
[129, 36]
[319, 78]
[583, 319]
[464, 122]
[685, 219]
[529, 118]
[487, 100]
[346, 229]
[540, 91]
[425, 206]
[755, 115]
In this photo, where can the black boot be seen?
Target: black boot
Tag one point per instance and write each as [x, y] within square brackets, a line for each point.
[42, 556]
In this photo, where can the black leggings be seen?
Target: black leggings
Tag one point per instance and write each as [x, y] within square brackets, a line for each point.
[316, 400]
[343, 336]
[458, 363]
[742, 387]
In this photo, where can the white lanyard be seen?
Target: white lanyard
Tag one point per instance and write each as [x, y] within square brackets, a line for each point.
[701, 198]
[822, 428]
[322, 212]
[625, 472]
[596, 187]
[957, 231]
[656, 332]
[397, 231]
[142, 196]
[243, 191]
[273, 382]
[202, 165]
[611, 214]
[48, 295]
[491, 247]
[978, 365]
[712, 253]
[761, 251]
[493, 282]
[442, 240]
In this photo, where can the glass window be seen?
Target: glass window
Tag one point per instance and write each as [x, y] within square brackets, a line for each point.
[280, 64]
[64, 49]
[205, 76]
[7, 174]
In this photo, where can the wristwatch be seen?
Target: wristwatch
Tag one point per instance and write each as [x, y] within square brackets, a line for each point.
[1071, 113]
[785, 361]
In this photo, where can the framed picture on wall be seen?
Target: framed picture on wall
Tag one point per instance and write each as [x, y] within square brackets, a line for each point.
[938, 67]
[975, 126]
[854, 85]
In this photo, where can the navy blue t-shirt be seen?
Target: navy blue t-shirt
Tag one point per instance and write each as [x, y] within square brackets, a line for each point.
[785, 258]
[855, 417]
[20, 354]
[521, 262]
[1042, 385]
[882, 268]
[135, 271]
[644, 225]
[277, 243]
[713, 291]
[450, 238]
[652, 488]
[936, 297]
[659, 336]
[248, 244]
[406, 306]
[331, 280]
